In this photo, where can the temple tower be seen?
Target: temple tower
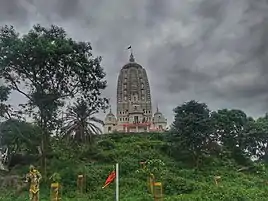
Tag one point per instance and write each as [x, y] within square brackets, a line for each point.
[134, 104]
[134, 107]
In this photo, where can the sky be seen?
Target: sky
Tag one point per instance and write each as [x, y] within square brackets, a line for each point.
[212, 51]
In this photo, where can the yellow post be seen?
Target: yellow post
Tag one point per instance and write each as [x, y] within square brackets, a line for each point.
[151, 181]
[55, 192]
[143, 164]
[81, 183]
[217, 180]
[158, 191]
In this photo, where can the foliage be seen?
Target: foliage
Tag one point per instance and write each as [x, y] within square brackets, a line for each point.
[257, 142]
[55, 177]
[4, 108]
[20, 136]
[192, 128]
[179, 181]
[52, 68]
[155, 167]
[80, 122]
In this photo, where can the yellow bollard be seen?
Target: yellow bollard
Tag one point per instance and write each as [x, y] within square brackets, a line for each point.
[151, 181]
[81, 183]
[55, 192]
[158, 191]
[217, 179]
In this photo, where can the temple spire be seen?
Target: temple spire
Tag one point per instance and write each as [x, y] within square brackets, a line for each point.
[110, 106]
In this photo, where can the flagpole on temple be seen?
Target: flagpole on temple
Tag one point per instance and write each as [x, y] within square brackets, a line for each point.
[117, 182]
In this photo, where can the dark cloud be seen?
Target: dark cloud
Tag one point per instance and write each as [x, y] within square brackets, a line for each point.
[214, 51]
[12, 10]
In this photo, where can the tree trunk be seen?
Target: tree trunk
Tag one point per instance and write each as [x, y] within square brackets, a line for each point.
[45, 146]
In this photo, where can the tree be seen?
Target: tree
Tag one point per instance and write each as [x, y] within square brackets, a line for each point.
[257, 141]
[80, 122]
[52, 68]
[231, 128]
[192, 127]
[20, 136]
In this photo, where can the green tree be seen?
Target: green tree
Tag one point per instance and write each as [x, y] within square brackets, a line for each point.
[52, 68]
[80, 123]
[257, 141]
[192, 128]
[20, 136]
[231, 128]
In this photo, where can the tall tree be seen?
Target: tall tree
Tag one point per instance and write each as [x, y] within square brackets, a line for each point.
[192, 127]
[48, 68]
[81, 124]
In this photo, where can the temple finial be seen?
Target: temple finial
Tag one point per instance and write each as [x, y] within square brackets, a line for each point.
[110, 106]
[131, 58]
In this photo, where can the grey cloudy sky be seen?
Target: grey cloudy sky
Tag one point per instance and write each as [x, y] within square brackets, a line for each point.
[213, 51]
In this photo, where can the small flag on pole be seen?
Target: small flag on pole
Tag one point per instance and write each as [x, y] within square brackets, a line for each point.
[129, 47]
[110, 179]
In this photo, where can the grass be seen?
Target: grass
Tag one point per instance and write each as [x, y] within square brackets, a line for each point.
[180, 180]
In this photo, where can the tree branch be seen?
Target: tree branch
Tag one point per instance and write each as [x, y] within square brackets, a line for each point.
[15, 87]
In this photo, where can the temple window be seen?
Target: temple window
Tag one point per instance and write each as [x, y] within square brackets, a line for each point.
[136, 119]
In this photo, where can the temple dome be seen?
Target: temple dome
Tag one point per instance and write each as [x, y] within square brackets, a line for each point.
[159, 117]
[110, 118]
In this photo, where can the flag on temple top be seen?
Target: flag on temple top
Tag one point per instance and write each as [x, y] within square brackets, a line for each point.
[129, 47]
[110, 179]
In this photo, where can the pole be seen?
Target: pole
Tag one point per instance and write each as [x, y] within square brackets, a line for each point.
[117, 181]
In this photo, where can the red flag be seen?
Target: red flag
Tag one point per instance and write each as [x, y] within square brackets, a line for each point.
[110, 179]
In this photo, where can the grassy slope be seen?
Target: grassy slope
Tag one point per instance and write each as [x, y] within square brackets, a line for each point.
[180, 182]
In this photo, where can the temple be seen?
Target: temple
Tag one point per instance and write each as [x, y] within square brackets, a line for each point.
[134, 104]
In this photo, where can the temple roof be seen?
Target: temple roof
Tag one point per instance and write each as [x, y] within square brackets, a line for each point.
[131, 63]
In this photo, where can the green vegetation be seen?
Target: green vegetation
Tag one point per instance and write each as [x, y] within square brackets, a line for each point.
[54, 72]
[181, 181]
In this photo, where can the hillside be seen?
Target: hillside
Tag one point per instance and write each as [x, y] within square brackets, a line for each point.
[180, 180]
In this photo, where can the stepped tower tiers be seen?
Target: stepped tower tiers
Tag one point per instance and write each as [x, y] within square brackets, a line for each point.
[134, 104]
